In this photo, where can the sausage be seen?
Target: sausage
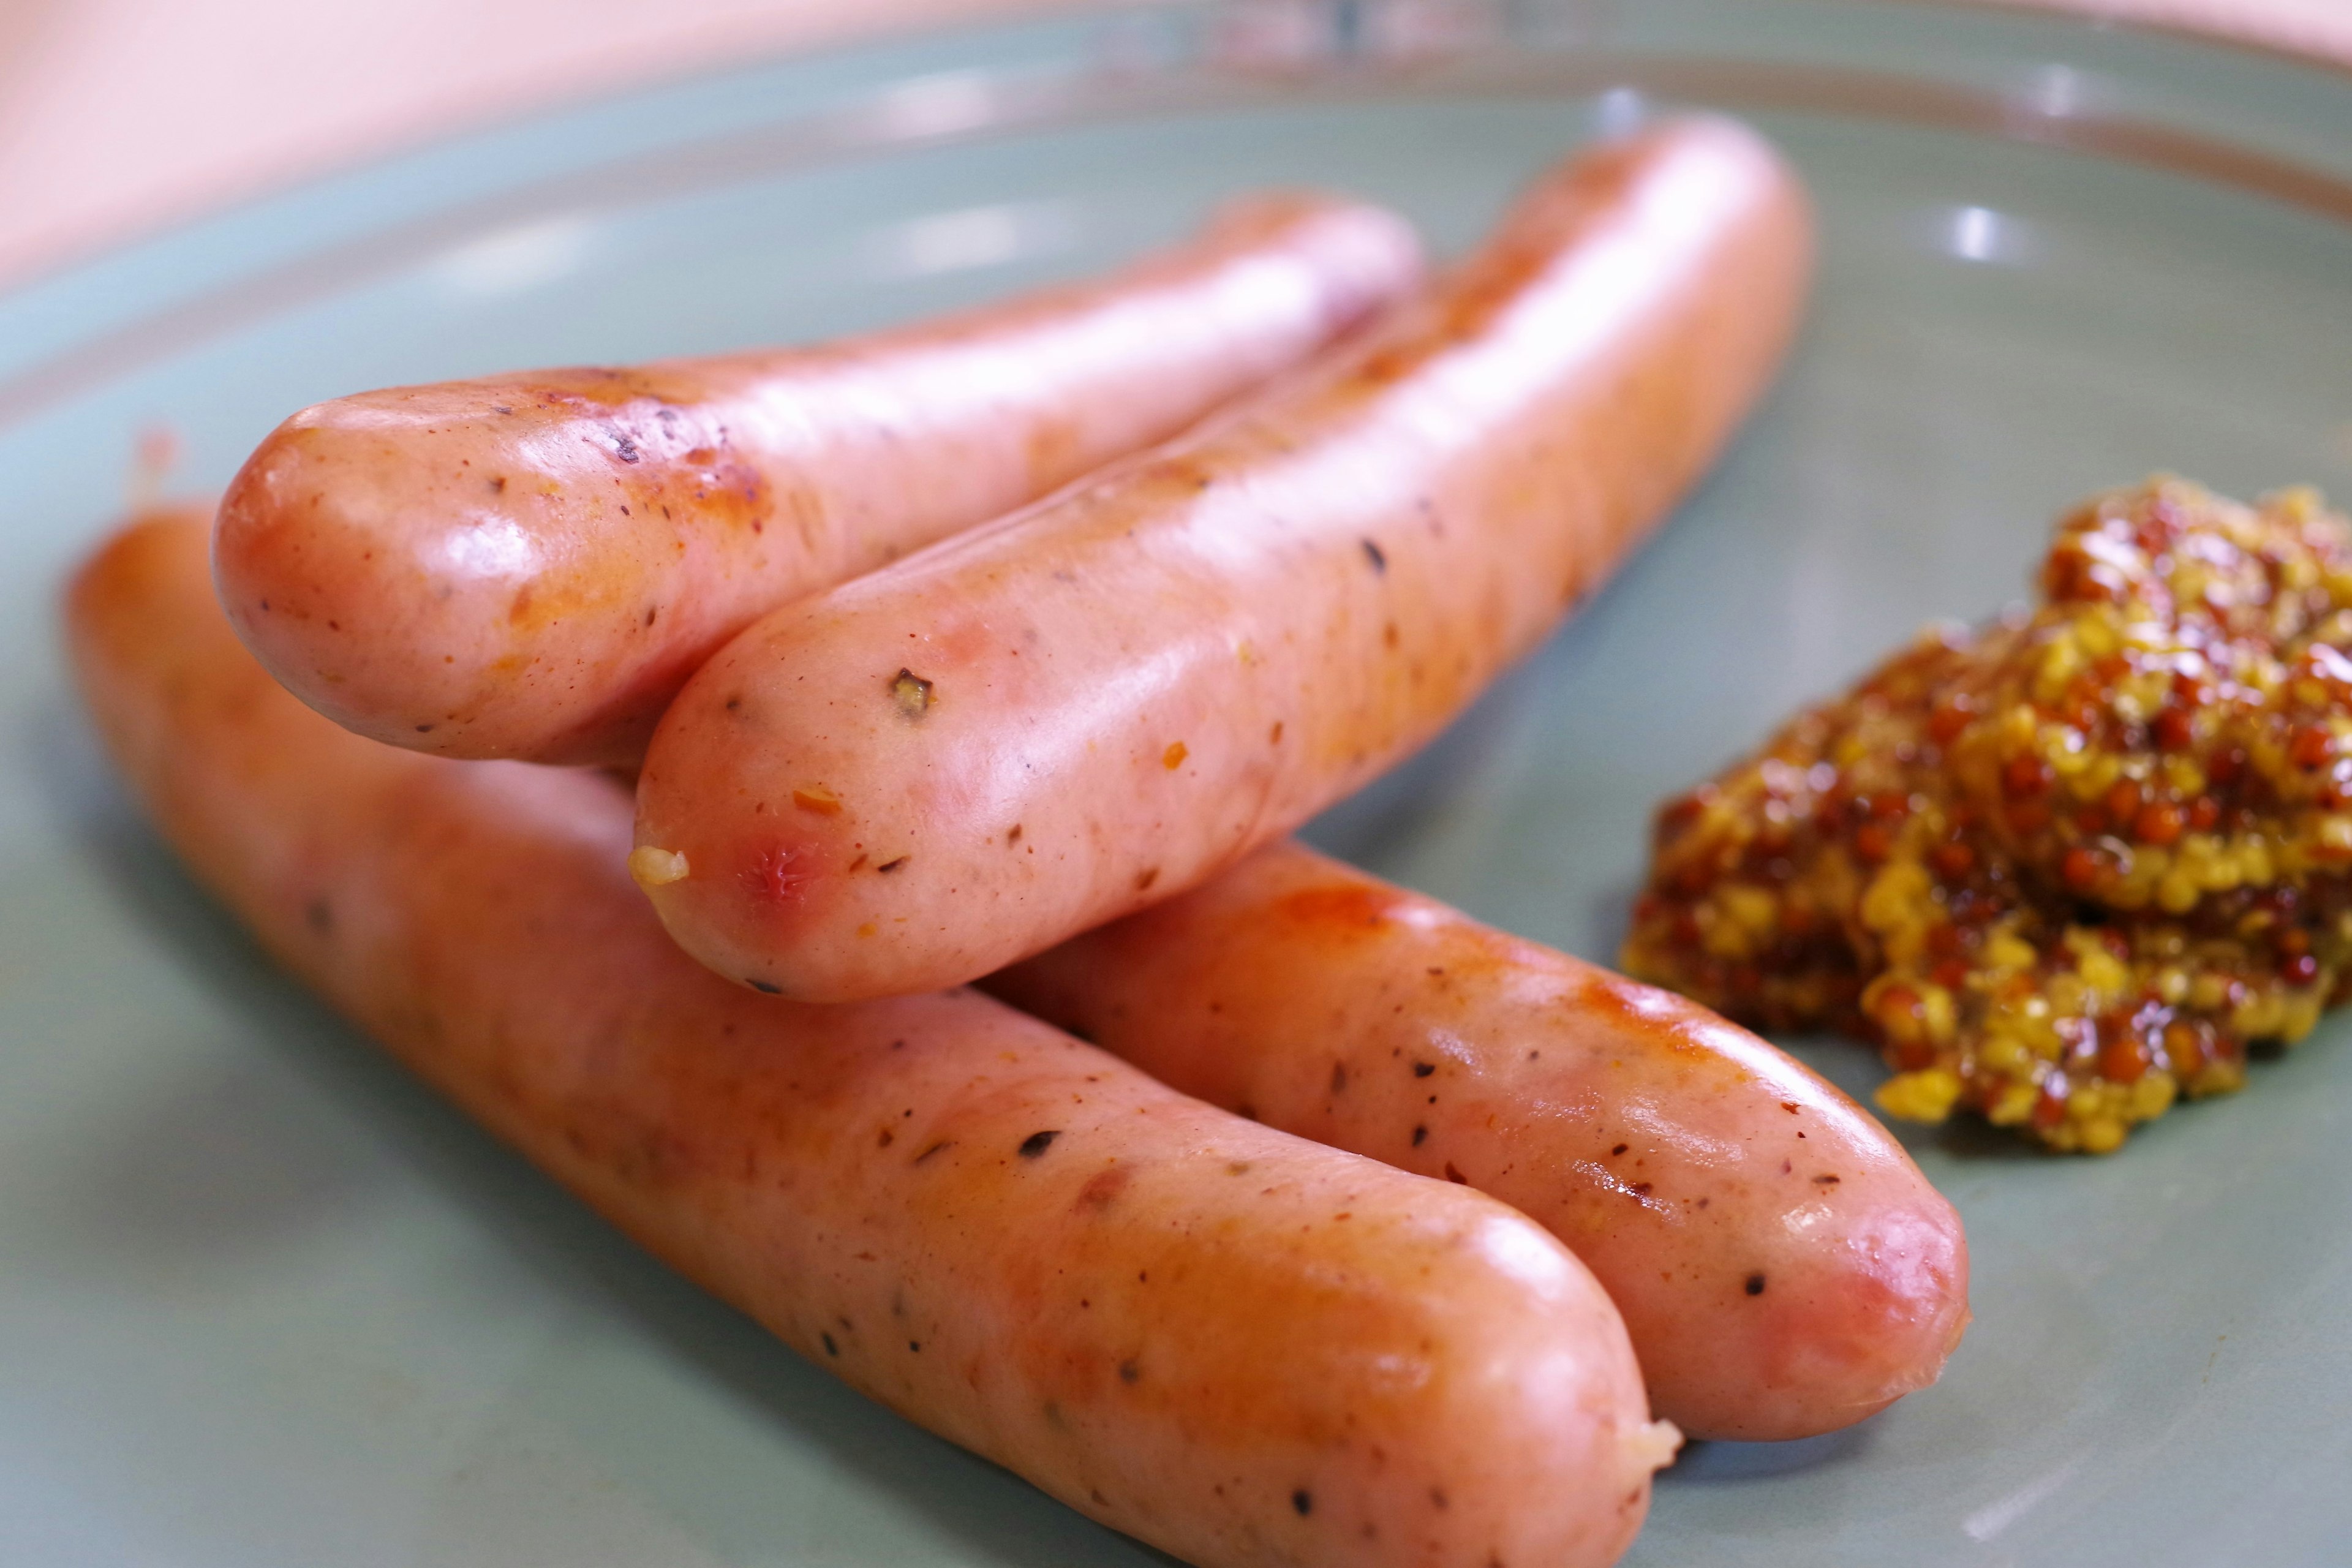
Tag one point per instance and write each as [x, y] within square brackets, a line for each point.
[531, 565]
[1783, 1267]
[1241, 1347]
[921, 776]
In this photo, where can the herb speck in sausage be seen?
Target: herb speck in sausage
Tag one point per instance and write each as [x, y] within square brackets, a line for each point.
[830, 1348]
[762, 986]
[1756, 1284]
[1372, 554]
[1419, 1135]
[1304, 1502]
[1036, 1143]
[1423, 1069]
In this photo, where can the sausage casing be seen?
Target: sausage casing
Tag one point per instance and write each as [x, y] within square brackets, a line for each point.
[1241, 1346]
[922, 775]
[531, 565]
[1782, 1266]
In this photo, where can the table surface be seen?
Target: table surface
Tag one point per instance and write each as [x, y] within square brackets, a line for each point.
[120, 116]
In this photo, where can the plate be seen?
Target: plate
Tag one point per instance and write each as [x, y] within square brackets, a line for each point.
[263, 1300]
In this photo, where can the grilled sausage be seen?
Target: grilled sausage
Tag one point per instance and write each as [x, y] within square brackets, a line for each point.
[1782, 1266]
[531, 565]
[922, 775]
[1238, 1345]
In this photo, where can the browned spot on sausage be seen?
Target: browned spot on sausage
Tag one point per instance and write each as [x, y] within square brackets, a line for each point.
[1825, 1179]
[1103, 1187]
[1054, 453]
[1453, 1175]
[1654, 1015]
[1273, 736]
[1143, 879]
[1338, 1078]
[894, 864]
[1129, 1372]
[1358, 906]
[943, 1143]
[885, 1139]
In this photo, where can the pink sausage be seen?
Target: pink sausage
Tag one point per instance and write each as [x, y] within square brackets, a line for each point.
[1242, 1347]
[930, 772]
[531, 565]
[1782, 1266]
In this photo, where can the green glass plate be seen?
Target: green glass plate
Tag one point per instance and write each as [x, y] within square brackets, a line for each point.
[265, 1301]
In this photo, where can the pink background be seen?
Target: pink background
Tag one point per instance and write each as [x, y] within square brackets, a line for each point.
[117, 116]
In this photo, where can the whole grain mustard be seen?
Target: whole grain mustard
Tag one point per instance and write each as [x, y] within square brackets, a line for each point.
[2070, 866]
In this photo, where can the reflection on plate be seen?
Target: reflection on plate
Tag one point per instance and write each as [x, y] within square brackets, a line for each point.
[264, 1301]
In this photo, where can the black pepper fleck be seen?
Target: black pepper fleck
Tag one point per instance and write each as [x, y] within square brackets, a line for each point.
[1036, 1143]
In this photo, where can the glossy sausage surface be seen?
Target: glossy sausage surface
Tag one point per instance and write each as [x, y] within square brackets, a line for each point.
[956, 761]
[530, 565]
[1782, 1266]
[1241, 1346]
